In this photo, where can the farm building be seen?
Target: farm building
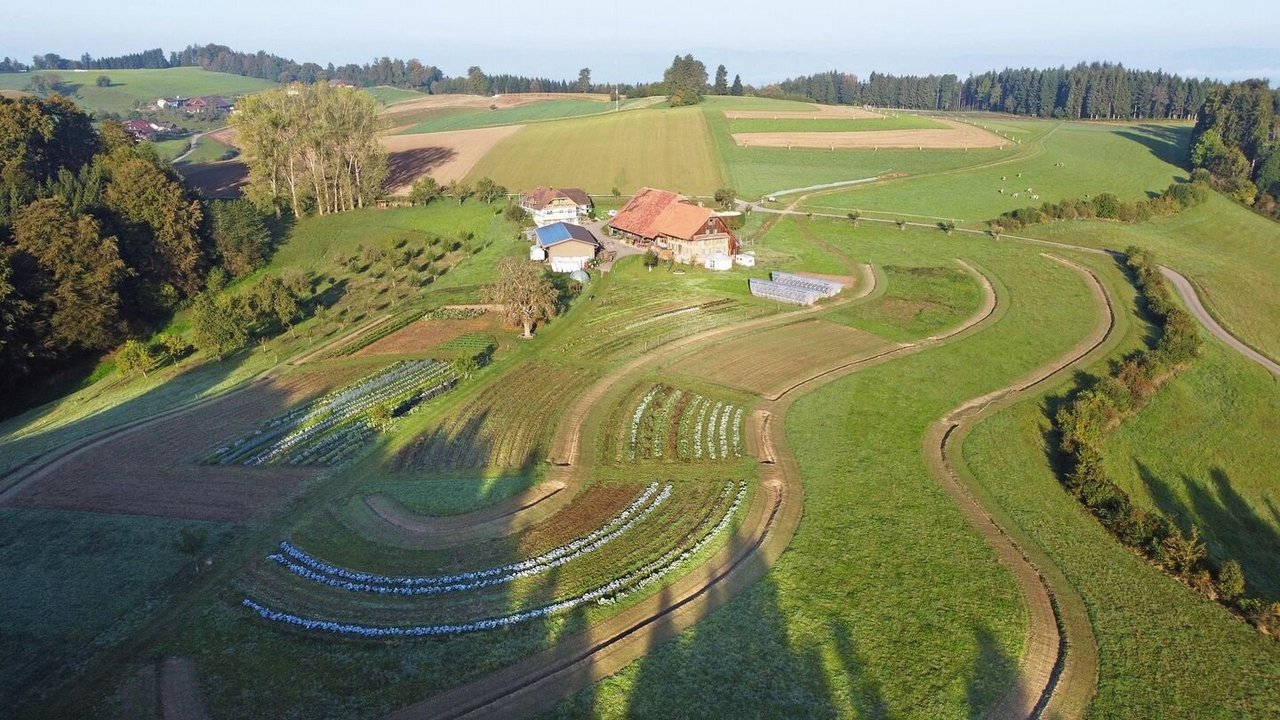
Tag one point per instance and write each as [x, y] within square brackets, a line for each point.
[170, 102]
[147, 130]
[568, 247]
[669, 223]
[210, 105]
[552, 205]
[794, 289]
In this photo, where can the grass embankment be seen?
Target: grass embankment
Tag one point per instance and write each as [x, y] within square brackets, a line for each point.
[884, 577]
[388, 95]
[1071, 161]
[666, 148]
[134, 89]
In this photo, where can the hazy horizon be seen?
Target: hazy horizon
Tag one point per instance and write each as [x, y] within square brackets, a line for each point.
[1236, 41]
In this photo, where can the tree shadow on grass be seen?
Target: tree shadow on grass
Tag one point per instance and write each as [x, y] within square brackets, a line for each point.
[1166, 143]
[1231, 526]
[991, 662]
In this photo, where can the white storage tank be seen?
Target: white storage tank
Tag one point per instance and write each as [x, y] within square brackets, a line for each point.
[537, 254]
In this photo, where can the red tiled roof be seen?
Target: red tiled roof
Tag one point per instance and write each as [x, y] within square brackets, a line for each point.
[681, 220]
[638, 215]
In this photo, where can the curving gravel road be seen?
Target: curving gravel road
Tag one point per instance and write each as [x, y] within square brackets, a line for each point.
[1188, 294]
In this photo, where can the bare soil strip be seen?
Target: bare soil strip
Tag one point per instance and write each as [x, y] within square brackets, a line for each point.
[1188, 294]
[819, 112]
[150, 467]
[958, 136]
[1050, 681]
[445, 156]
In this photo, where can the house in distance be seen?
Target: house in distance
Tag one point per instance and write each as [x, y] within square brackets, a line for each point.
[674, 227]
[552, 205]
[567, 247]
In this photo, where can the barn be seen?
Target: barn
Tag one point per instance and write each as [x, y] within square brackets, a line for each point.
[671, 224]
[568, 247]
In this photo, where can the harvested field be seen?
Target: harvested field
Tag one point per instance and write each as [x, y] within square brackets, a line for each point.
[958, 136]
[769, 362]
[826, 112]
[423, 335]
[445, 156]
[152, 469]
[507, 425]
[220, 180]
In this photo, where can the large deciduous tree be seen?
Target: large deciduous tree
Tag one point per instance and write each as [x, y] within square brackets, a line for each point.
[524, 292]
[79, 271]
[311, 146]
[685, 81]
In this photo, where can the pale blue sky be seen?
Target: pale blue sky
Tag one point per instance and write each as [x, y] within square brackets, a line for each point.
[764, 41]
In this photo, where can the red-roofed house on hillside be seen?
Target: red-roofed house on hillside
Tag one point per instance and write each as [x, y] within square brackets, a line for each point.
[669, 223]
[548, 206]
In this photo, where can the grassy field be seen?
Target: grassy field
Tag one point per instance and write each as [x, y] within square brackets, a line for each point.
[826, 124]
[919, 301]
[666, 148]
[131, 89]
[75, 582]
[756, 171]
[1229, 253]
[531, 112]
[1204, 452]
[391, 95]
[1164, 650]
[1068, 160]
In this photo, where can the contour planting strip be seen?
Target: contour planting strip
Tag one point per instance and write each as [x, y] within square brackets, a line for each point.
[604, 594]
[312, 568]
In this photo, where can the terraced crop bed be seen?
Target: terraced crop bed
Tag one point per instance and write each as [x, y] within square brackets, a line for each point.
[668, 423]
[333, 428]
[768, 362]
[507, 425]
[660, 528]
[655, 323]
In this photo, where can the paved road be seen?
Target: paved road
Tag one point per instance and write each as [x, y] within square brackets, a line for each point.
[1188, 293]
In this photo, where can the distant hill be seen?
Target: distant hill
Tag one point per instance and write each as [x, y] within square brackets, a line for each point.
[130, 89]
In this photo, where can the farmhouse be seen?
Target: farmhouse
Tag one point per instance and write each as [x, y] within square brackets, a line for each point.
[566, 246]
[170, 102]
[210, 105]
[552, 205]
[670, 224]
[147, 130]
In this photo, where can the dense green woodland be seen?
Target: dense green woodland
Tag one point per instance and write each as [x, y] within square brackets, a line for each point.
[1237, 140]
[1087, 91]
[99, 239]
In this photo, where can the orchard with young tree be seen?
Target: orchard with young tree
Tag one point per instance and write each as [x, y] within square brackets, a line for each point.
[311, 147]
[525, 294]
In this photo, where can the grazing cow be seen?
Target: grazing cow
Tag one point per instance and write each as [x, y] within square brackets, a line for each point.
[1001, 191]
[1016, 194]
[1035, 197]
